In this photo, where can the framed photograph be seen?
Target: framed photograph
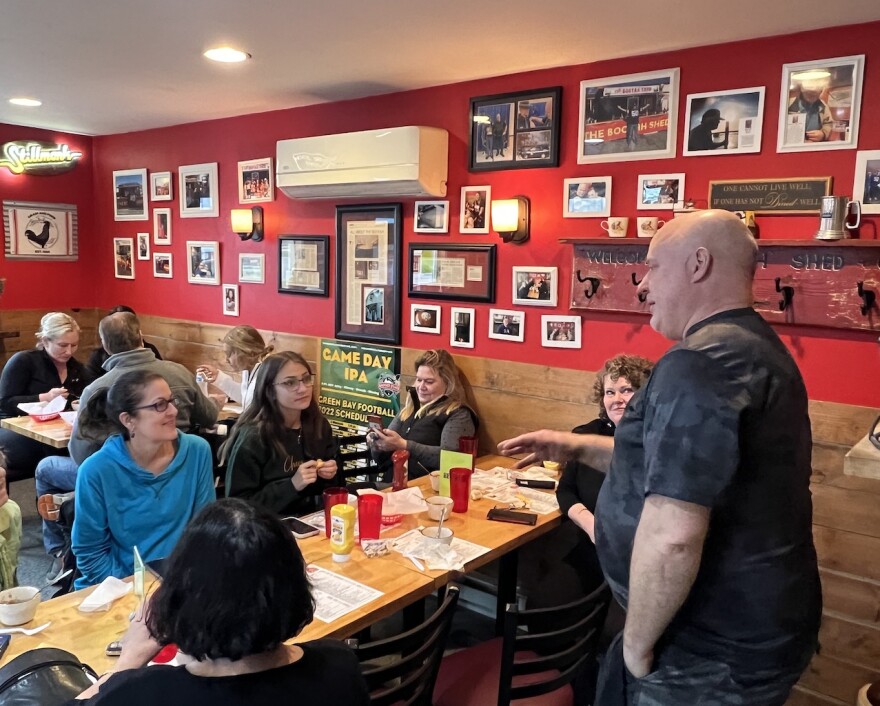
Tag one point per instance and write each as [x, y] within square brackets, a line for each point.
[659, 192]
[304, 264]
[143, 246]
[561, 331]
[161, 226]
[204, 262]
[251, 268]
[507, 325]
[819, 104]
[130, 198]
[515, 130]
[461, 327]
[368, 256]
[535, 286]
[256, 181]
[123, 258]
[586, 197]
[459, 272]
[162, 265]
[866, 184]
[624, 118]
[475, 202]
[40, 231]
[230, 300]
[160, 186]
[199, 191]
[424, 318]
[431, 217]
[724, 122]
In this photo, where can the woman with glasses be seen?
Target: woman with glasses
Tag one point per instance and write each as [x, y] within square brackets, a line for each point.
[281, 451]
[245, 351]
[144, 484]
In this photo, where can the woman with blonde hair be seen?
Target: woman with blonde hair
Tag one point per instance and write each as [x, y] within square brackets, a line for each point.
[40, 375]
[434, 417]
[245, 350]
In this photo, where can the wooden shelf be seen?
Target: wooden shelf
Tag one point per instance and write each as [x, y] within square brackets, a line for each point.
[850, 242]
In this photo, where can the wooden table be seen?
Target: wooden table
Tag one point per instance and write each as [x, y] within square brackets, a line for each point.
[402, 584]
[55, 433]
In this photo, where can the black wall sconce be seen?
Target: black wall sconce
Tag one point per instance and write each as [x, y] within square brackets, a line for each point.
[248, 223]
[510, 219]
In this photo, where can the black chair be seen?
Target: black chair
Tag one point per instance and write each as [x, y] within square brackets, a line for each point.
[403, 669]
[542, 654]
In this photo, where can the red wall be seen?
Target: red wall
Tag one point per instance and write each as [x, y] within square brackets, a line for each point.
[822, 354]
[39, 285]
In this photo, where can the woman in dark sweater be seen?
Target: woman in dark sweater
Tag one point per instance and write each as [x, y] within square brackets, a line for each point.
[40, 375]
[281, 453]
[235, 592]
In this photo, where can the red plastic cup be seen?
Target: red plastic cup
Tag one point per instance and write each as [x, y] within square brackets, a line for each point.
[460, 488]
[468, 445]
[369, 515]
[333, 496]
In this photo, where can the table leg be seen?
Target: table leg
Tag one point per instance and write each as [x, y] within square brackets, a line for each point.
[414, 614]
[507, 570]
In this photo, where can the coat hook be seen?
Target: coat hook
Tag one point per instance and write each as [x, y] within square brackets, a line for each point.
[636, 282]
[868, 297]
[593, 288]
[787, 294]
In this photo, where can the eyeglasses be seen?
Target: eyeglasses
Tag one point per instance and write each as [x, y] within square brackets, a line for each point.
[294, 382]
[161, 405]
[874, 434]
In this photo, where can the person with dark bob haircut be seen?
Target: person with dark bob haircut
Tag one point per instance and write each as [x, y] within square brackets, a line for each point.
[235, 589]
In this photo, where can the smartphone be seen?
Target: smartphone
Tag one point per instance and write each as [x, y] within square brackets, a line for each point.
[374, 422]
[300, 529]
[114, 649]
[4, 644]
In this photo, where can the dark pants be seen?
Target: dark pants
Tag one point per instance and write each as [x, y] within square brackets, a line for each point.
[680, 677]
[22, 454]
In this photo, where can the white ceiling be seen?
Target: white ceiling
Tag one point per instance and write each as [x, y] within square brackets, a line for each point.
[109, 66]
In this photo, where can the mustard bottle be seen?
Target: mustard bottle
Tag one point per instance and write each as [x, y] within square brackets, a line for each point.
[342, 518]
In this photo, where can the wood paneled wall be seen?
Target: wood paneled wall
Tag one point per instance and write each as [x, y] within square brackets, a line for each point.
[511, 398]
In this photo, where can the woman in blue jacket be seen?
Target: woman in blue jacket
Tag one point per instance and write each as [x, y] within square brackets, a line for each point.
[143, 486]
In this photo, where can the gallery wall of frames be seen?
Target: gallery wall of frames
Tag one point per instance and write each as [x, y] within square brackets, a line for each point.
[601, 150]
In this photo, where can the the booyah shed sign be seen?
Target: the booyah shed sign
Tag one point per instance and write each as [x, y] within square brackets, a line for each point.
[35, 157]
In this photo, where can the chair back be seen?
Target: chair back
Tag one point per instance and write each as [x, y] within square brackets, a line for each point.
[553, 642]
[403, 669]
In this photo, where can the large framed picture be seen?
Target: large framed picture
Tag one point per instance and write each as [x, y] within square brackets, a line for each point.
[304, 264]
[431, 217]
[40, 231]
[458, 272]
[624, 118]
[251, 268]
[461, 327]
[561, 331]
[724, 122]
[819, 104]
[130, 200]
[586, 197]
[659, 192]
[256, 181]
[507, 325]
[535, 286]
[160, 186]
[199, 191]
[123, 257]
[203, 262]
[866, 183]
[515, 130]
[368, 247]
[161, 226]
[162, 265]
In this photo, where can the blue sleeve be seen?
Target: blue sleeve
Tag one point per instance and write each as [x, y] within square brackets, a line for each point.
[90, 538]
[691, 434]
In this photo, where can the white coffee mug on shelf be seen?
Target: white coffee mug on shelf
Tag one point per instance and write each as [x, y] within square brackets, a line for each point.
[649, 226]
[615, 226]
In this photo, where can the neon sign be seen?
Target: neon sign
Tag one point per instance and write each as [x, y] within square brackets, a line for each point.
[35, 157]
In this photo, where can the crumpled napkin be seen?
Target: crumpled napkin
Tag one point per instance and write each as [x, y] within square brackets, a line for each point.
[110, 589]
[402, 502]
[440, 557]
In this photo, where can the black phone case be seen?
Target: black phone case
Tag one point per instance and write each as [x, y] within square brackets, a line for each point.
[519, 518]
[540, 484]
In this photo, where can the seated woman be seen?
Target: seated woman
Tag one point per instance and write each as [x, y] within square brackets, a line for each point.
[40, 375]
[144, 484]
[10, 532]
[434, 418]
[245, 350]
[235, 590]
[281, 453]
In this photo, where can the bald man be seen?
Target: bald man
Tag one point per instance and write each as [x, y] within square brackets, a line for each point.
[703, 526]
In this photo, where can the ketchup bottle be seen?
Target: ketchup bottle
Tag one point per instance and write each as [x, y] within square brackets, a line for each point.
[400, 459]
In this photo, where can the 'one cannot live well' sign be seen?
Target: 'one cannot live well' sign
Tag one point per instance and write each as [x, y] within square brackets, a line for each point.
[802, 195]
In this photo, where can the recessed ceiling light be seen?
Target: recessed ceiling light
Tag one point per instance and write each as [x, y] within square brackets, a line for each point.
[227, 55]
[27, 102]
